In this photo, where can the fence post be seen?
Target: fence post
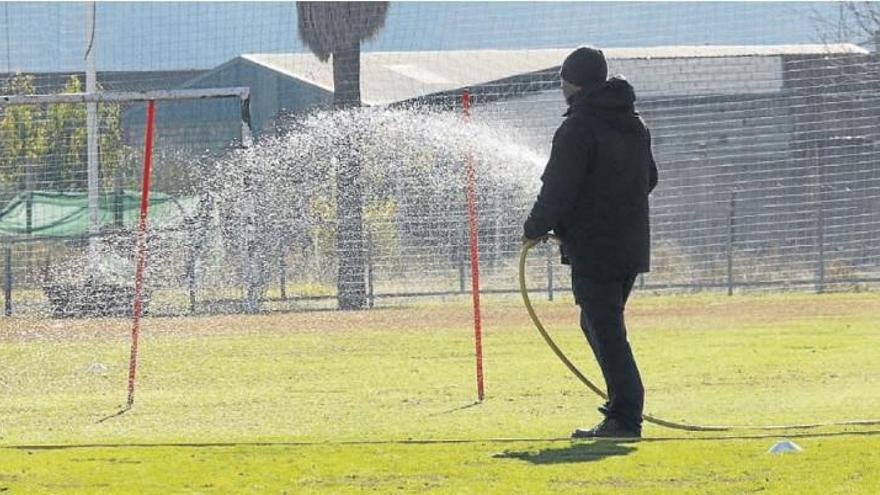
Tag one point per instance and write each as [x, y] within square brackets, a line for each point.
[118, 195]
[461, 272]
[731, 233]
[250, 268]
[191, 278]
[7, 285]
[820, 229]
[282, 270]
[549, 274]
[29, 216]
[29, 198]
[370, 294]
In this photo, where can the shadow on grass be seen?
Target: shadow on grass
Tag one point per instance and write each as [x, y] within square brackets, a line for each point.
[432, 441]
[456, 409]
[579, 452]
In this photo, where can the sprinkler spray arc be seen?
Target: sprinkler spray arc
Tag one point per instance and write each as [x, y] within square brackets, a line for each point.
[528, 245]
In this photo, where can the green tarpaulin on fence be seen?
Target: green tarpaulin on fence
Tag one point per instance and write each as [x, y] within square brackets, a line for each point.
[66, 214]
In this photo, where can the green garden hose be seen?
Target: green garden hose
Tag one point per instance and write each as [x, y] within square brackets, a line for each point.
[649, 418]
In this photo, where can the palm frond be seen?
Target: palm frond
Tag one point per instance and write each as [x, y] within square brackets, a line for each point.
[326, 27]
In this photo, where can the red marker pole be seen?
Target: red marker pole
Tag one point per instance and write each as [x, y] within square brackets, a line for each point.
[141, 252]
[475, 255]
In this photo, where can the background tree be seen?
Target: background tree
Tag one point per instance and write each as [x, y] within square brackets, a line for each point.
[66, 160]
[115, 153]
[855, 22]
[65, 141]
[337, 29]
[51, 140]
[22, 136]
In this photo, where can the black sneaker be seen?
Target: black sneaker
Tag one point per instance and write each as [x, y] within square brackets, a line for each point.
[608, 428]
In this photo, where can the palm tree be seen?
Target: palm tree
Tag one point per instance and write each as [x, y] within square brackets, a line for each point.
[337, 29]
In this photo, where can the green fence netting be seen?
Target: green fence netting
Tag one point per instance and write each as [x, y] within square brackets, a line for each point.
[66, 214]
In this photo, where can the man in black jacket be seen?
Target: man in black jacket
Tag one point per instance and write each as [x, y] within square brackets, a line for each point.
[595, 198]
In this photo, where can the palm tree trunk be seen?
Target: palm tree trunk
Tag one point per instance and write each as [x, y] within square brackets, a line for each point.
[347, 76]
[350, 281]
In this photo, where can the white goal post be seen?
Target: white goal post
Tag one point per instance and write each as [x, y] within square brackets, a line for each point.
[243, 128]
[241, 92]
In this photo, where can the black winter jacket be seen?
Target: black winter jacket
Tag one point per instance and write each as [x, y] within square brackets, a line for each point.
[596, 184]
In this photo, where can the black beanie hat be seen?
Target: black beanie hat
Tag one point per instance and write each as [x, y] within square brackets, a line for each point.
[585, 66]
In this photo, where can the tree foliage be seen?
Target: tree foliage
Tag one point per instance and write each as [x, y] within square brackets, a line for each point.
[855, 22]
[51, 138]
[66, 138]
[22, 133]
[328, 27]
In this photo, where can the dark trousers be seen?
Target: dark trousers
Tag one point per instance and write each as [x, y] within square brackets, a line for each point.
[602, 305]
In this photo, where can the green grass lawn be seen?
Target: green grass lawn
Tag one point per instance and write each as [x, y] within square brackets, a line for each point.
[383, 401]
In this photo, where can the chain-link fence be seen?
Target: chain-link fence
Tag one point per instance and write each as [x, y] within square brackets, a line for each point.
[766, 143]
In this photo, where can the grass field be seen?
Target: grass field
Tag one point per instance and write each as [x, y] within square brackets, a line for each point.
[383, 401]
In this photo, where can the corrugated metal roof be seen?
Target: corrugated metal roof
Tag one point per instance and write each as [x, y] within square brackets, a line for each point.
[388, 77]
